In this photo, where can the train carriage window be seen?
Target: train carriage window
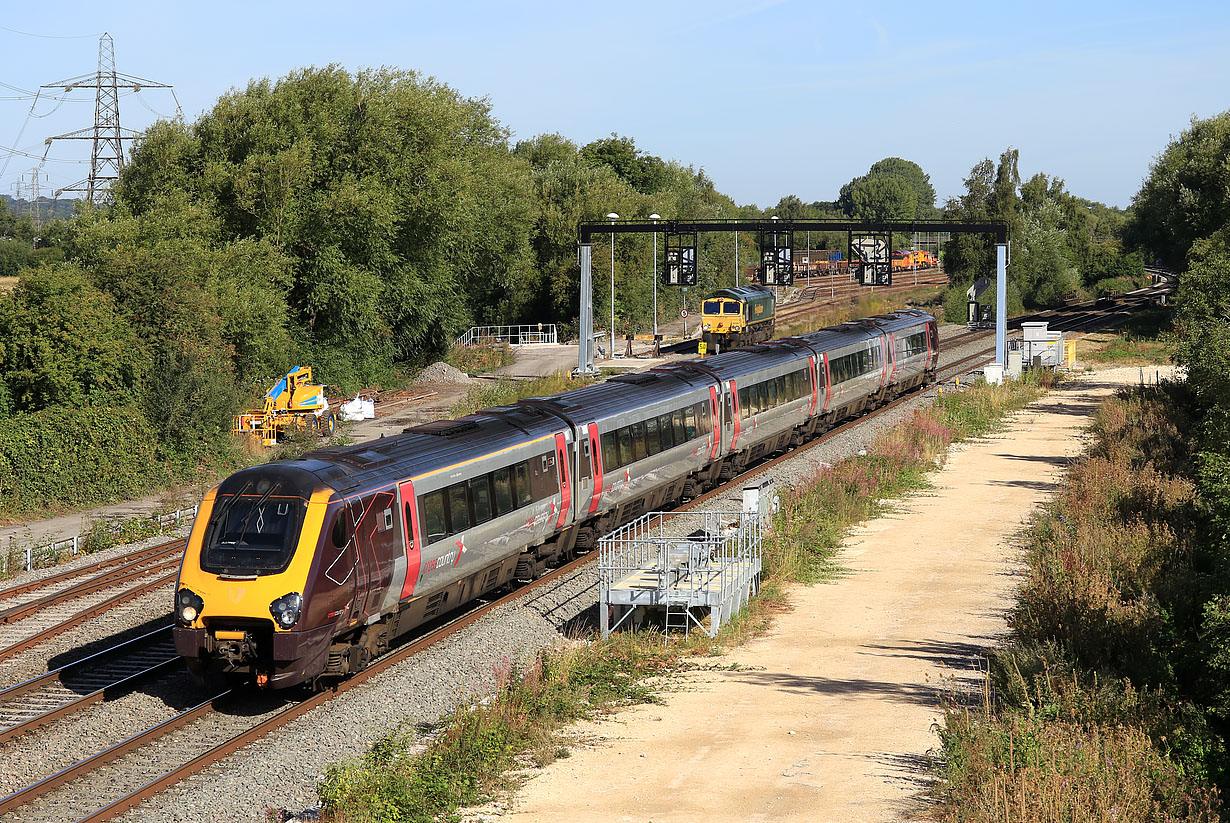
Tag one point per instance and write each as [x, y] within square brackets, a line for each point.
[638, 441]
[689, 421]
[779, 385]
[625, 446]
[521, 484]
[458, 508]
[792, 386]
[653, 441]
[681, 427]
[480, 497]
[501, 481]
[745, 406]
[758, 398]
[665, 432]
[771, 395]
[703, 423]
[435, 524]
[610, 452]
[585, 460]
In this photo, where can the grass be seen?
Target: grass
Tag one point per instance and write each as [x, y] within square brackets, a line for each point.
[1139, 342]
[476, 752]
[502, 392]
[480, 359]
[472, 751]
[863, 306]
[1086, 713]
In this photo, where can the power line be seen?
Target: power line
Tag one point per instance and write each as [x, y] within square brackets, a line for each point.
[50, 36]
[106, 136]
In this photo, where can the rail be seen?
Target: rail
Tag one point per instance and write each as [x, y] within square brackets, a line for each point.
[528, 335]
[40, 556]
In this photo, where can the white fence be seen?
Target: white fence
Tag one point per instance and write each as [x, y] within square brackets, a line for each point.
[36, 557]
[512, 335]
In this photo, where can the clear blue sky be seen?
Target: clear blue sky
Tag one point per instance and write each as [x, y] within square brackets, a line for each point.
[770, 97]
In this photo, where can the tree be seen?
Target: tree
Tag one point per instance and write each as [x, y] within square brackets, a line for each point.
[397, 202]
[1186, 195]
[892, 189]
[645, 173]
[65, 343]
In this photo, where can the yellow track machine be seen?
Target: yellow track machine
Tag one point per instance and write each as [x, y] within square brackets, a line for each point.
[294, 404]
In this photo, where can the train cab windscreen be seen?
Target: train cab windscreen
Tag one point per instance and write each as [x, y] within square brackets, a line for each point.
[252, 534]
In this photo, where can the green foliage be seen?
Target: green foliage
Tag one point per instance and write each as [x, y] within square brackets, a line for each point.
[1186, 196]
[643, 172]
[1115, 676]
[64, 343]
[1056, 252]
[61, 457]
[466, 761]
[892, 189]
[396, 203]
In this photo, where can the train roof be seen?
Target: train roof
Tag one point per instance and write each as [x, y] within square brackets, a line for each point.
[427, 447]
[743, 293]
[619, 393]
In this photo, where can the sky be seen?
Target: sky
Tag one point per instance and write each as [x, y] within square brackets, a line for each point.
[769, 97]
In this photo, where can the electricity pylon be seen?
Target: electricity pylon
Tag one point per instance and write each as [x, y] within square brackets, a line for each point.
[107, 152]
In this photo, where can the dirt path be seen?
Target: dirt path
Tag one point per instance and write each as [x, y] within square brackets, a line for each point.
[830, 716]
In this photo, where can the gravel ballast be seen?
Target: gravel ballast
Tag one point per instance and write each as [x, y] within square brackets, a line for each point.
[283, 769]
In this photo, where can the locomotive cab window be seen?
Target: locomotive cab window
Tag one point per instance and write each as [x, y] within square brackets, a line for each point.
[713, 306]
[252, 533]
[730, 307]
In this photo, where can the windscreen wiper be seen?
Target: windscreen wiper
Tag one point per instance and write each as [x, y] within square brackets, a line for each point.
[243, 527]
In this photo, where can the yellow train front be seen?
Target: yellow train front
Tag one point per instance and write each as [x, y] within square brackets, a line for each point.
[736, 317]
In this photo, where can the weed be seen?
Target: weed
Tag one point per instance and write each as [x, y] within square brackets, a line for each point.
[469, 759]
[502, 392]
[480, 359]
[1093, 709]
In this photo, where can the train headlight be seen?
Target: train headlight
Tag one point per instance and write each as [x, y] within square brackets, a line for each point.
[286, 609]
[188, 606]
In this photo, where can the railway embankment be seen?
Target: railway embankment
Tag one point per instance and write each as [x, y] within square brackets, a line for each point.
[825, 494]
[831, 713]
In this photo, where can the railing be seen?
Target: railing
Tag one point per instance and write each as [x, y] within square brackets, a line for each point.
[691, 559]
[36, 557]
[512, 335]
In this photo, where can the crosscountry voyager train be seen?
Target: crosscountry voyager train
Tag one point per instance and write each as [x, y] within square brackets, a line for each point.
[301, 571]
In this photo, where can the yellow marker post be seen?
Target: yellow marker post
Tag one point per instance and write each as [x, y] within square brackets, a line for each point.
[701, 348]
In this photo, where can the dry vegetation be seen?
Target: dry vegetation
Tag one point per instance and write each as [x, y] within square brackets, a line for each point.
[470, 758]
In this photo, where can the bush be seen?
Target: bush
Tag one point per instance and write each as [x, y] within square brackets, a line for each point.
[63, 457]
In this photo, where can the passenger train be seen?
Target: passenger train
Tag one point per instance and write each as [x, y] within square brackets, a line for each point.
[300, 571]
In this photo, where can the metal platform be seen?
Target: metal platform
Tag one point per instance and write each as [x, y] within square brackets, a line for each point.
[685, 564]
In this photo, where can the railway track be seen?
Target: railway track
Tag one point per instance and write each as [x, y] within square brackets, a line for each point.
[70, 688]
[203, 734]
[150, 554]
[51, 619]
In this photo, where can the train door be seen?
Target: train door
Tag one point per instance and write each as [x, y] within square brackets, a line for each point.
[595, 462]
[564, 477]
[410, 534]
